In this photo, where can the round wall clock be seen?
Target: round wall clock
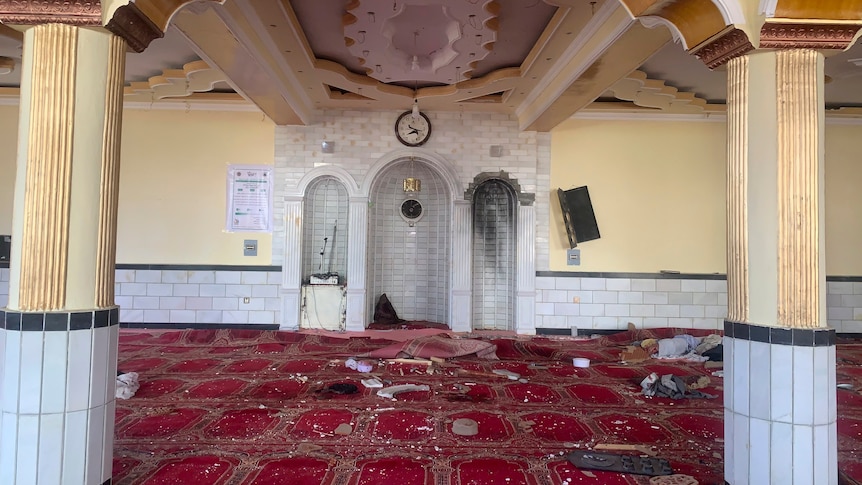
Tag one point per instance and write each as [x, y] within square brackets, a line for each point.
[412, 130]
[411, 210]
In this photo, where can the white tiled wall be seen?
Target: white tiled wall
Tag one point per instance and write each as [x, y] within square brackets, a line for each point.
[844, 305]
[169, 296]
[410, 263]
[610, 303]
[463, 139]
[166, 296]
[325, 216]
[183, 296]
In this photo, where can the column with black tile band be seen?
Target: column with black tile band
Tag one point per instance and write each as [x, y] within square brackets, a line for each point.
[59, 329]
[779, 371]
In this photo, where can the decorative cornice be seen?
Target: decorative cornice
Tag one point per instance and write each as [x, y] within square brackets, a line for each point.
[132, 25]
[725, 46]
[33, 12]
[787, 35]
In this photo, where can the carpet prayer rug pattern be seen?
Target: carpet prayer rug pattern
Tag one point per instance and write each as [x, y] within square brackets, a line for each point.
[253, 407]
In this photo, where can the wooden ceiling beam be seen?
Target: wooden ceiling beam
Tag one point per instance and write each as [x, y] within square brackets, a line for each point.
[614, 47]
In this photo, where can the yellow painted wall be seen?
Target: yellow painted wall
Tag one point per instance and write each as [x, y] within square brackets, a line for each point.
[173, 185]
[843, 200]
[657, 189]
[8, 149]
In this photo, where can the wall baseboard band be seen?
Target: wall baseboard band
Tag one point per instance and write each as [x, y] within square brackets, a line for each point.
[667, 276]
[599, 274]
[201, 326]
[197, 267]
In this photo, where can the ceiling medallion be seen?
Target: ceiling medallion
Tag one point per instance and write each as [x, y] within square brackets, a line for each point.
[433, 41]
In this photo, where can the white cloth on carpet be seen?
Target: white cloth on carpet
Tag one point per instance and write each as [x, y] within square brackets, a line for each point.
[127, 385]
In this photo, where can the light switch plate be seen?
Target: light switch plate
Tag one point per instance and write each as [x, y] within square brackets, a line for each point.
[573, 257]
[249, 247]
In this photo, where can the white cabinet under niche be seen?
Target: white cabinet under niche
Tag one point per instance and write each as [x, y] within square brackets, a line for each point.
[323, 307]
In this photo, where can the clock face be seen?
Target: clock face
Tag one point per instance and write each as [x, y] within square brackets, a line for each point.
[412, 131]
[411, 209]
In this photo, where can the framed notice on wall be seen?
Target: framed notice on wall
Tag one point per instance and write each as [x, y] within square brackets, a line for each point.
[249, 198]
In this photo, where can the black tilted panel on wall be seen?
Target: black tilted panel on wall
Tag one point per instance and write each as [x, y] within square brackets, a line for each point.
[578, 215]
[5, 247]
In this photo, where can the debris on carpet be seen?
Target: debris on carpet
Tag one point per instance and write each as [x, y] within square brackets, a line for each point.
[592, 460]
[673, 387]
[127, 385]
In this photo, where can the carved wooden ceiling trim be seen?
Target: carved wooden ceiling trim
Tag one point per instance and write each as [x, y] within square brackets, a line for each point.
[730, 43]
[33, 12]
[130, 23]
[798, 35]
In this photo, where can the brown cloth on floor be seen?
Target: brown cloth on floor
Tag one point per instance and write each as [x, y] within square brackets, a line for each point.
[384, 312]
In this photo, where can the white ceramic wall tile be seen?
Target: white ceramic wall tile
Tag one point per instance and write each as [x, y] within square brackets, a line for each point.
[668, 285]
[75, 447]
[618, 284]
[644, 285]
[563, 283]
[823, 463]
[172, 303]
[782, 383]
[8, 442]
[187, 290]
[237, 291]
[803, 386]
[26, 448]
[175, 276]
[741, 449]
[12, 366]
[803, 454]
[741, 376]
[79, 368]
[693, 286]
[108, 443]
[822, 386]
[211, 289]
[30, 374]
[56, 345]
[181, 316]
[208, 316]
[158, 316]
[759, 375]
[51, 428]
[781, 450]
[202, 277]
[729, 456]
[159, 289]
[228, 277]
[95, 445]
[759, 452]
[99, 366]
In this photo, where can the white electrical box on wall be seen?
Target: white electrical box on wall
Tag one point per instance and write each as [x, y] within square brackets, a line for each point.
[323, 307]
[573, 257]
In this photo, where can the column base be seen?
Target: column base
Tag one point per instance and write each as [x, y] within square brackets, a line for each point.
[779, 405]
[57, 396]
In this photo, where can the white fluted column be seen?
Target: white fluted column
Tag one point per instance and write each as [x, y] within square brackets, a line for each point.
[291, 266]
[460, 311]
[525, 311]
[357, 261]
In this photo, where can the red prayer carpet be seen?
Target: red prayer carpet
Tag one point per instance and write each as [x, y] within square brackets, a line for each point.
[244, 407]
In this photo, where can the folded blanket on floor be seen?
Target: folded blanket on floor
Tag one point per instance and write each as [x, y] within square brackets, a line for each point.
[441, 346]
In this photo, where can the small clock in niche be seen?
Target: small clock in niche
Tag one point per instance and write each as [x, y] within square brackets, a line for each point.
[412, 129]
[411, 211]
